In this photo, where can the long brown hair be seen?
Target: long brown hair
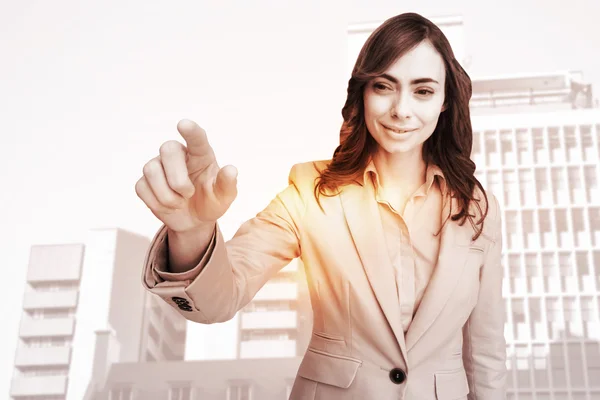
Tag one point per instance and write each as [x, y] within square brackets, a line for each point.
[449, 147]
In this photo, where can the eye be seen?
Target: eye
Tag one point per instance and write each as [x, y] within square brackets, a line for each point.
[380, 86]
[425, 92]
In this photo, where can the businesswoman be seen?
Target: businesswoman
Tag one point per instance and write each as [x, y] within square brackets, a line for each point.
[400, 242]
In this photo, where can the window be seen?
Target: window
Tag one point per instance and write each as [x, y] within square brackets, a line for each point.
[529, 234]
[575, 357]
[591, 184]
[506, 148]
[539, 147]
[269, 334]
[535, 316]
[580, 234]
[561, 192]
[476, 155]
[587, 142]
[491, 149]
[239, 391]
[45, 371]
[55, 286]
[523, 366]
[521, 330]
[523, 149]
[551, 277]
[557, 360]
[556, 149]
[540, 365]
[565, 268]
[573, 151]
[49, 313]
[511, 194]
[543, 187]
[279, 305]
[576, 190]
[594, 220]
[514, 239]
[527, 188]
[121, 393]
[592, 355]
[47, 342]
[565, 239]
[180, 392]
[535, 282]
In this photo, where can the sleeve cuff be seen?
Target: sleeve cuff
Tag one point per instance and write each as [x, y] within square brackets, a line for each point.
[158, 263]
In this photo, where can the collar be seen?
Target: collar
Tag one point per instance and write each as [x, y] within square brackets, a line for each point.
[370, 174]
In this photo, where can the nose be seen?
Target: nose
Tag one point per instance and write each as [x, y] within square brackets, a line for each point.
[401, 106]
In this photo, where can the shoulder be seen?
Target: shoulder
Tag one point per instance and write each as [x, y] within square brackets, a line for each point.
[304, 174]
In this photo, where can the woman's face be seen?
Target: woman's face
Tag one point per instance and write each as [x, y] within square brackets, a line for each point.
[403, 105]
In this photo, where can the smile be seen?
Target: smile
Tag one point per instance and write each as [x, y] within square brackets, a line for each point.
[399, 130]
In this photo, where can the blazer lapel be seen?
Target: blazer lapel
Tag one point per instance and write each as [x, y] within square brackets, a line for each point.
[364, 221]
[454, 249]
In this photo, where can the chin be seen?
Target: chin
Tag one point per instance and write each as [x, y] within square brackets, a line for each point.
[398, 149]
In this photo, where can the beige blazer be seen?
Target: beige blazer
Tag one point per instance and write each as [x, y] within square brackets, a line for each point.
[455, 346]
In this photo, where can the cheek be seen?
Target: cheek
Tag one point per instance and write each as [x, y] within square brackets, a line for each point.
[376, 106]
[430, 114]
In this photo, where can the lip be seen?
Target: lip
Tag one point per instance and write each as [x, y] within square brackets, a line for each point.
[399, 130]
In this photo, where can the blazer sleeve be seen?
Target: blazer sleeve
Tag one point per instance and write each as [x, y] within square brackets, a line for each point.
[230, 272]
[484, 345]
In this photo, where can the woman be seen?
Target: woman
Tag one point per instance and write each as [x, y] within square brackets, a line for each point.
[400, 242]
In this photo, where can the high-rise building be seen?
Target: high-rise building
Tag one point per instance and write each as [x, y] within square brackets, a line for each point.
[536, 146]
[277, 322]
[82, 296]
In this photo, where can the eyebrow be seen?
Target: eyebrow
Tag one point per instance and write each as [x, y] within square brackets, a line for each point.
[413, 82]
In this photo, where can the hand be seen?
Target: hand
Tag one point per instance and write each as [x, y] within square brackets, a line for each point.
[184, 186]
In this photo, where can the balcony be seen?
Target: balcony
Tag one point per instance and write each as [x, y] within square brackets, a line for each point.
[46, 327]
[39, 386]
[269, 319]
[268, 348]
[278, 291]
[42, 356]
[45, 300]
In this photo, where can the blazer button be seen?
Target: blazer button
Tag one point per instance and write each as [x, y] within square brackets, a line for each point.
[397, 376]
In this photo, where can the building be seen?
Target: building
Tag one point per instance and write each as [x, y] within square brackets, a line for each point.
[236, 379]
[278, 321]
[78, 295]
[536, 148]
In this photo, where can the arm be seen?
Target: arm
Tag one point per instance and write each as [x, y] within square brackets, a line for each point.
[230, 273]
[484, 345]
[186, 250]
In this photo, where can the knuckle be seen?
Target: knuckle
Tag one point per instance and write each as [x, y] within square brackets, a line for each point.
[180, 185]
[138, 187]
[173, 203]
[170, 147]
[151, 167]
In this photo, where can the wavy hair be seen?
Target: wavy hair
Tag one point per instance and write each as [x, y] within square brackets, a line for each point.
[450, 145]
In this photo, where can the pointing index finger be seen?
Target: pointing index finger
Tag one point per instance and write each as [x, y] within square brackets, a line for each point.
[195, 138]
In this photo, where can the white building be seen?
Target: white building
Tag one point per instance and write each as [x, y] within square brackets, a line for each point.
[278, 321]
[81, 294]
[538, 151]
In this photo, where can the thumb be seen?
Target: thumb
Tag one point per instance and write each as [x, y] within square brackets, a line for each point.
[225, 186]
